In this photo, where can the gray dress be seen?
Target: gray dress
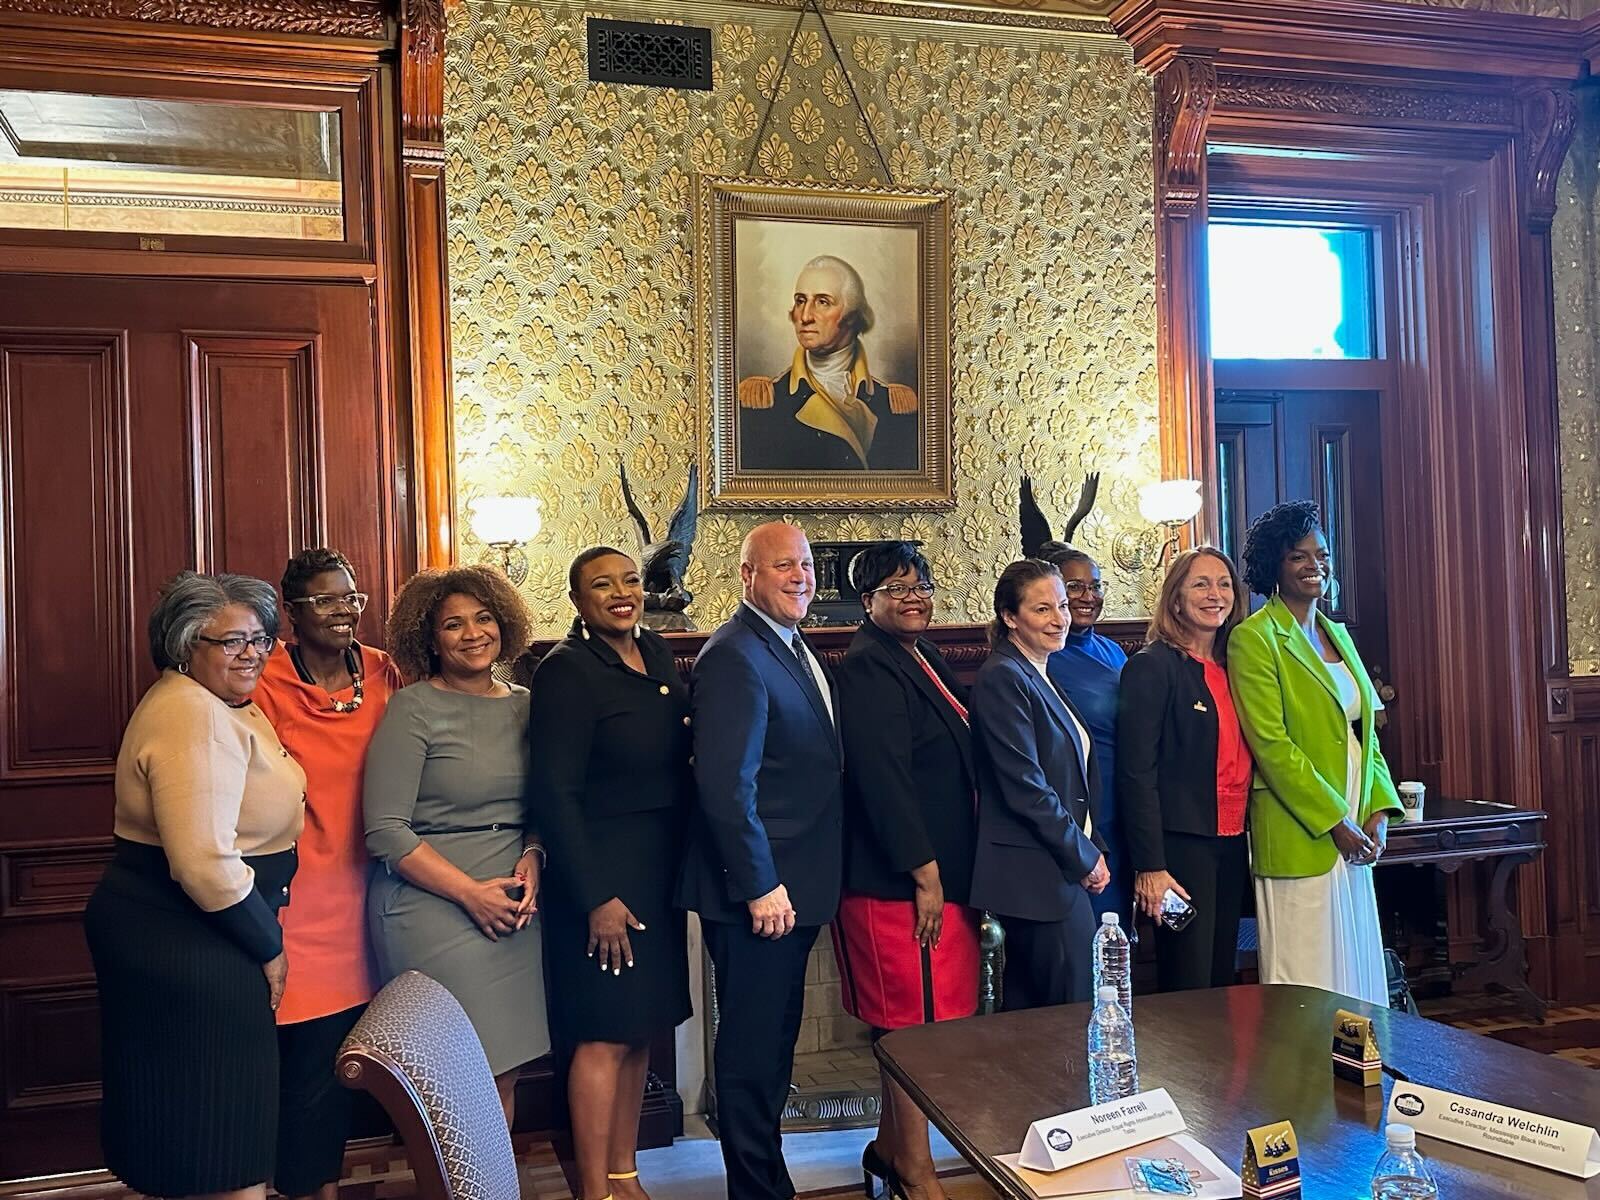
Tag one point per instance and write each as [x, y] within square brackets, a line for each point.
[446, 768]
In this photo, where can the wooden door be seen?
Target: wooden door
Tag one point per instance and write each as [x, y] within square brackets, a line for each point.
[1324, 446]
[146, 426]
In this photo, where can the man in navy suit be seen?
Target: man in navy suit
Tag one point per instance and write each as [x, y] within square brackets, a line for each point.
[765, 849]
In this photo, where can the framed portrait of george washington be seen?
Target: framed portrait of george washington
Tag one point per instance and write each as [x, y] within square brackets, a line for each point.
[823, 342]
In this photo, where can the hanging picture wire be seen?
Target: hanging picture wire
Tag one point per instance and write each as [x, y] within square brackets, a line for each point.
[814, 6]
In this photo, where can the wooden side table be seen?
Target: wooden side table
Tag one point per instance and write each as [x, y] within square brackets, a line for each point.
[1465, 831]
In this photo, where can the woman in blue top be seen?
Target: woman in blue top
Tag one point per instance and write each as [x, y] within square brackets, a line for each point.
[1089, 670]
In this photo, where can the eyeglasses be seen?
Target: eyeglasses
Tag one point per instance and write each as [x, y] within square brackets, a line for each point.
[1079, 588]
[326, 604]
[234, 646]
[899, 591]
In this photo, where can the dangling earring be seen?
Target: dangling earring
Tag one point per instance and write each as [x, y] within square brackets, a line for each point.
[636, 634]
[583, 630]
[183, 668]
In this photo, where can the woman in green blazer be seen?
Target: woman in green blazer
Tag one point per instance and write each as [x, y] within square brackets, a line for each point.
[1321, 800]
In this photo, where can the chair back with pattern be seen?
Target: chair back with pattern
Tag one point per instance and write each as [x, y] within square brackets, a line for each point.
[416, 1052]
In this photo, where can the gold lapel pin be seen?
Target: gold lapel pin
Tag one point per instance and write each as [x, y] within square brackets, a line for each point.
[1199, 706]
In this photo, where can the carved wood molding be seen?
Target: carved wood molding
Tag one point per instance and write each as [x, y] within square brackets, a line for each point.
[330, 18]
[1186, 94]
[1352, 38]
[1251, 92]
[1549, 122]
[422, 71]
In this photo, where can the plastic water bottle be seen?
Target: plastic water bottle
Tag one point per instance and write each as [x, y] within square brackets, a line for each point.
[1113, 967]
[1401, 1174]
[1113, 1062]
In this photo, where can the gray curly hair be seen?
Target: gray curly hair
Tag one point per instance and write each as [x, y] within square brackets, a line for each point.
[189, 601]
[854, 292]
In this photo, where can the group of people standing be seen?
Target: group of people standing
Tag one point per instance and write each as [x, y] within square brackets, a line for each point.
[534, 847]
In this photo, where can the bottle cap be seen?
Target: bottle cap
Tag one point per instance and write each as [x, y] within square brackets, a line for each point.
[1110, 918]
[1400, 1135]
[1109, 994]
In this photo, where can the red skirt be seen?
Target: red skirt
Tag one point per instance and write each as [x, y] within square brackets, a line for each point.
[887, 979]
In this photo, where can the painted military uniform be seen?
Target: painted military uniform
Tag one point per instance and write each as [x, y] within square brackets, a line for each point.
[791, 423]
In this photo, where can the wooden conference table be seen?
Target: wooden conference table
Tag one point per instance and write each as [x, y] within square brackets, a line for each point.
[1232, 1059]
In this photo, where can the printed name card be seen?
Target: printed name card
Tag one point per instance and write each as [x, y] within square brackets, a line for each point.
[1070, 1138]
[1355, 1050]
[1509, 1132]
[1271, 1162]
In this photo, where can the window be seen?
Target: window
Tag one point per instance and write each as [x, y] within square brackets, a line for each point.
[128, 164]
[1290, 291]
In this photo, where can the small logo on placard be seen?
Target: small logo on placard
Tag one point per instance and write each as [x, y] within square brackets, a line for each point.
[1408, 1104]
[1059, 1140]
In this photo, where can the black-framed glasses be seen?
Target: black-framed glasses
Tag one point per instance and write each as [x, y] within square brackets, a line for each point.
[899, 591]
[323, 603]
[1077, 589]
[234, 646]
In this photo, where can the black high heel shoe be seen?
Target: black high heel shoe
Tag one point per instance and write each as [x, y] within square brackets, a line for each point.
[874, 1169]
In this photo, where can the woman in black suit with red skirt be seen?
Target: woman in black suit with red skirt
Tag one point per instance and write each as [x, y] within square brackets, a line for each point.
[906, 941]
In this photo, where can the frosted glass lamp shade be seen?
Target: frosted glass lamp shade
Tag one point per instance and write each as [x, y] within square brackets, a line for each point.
[506, 520]
[1170, 501]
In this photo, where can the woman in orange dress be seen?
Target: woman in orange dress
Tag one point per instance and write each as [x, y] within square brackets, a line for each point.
[324, 693]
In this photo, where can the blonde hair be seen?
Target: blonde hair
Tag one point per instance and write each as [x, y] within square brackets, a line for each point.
[1167, 623]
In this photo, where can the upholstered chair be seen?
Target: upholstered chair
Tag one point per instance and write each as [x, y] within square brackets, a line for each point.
[416, 1052]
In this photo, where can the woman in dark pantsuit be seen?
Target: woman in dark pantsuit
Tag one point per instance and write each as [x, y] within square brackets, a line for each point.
[906, 941]
[1183, 771]
[610, 786]
[183, 927]
[1039, 857]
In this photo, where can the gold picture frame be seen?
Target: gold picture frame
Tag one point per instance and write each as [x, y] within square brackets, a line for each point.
[772, 360]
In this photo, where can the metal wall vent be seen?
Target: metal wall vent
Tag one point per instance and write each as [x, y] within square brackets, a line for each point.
[675, 56]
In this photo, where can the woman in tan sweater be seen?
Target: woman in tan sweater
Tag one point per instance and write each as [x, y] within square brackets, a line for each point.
[183, 927]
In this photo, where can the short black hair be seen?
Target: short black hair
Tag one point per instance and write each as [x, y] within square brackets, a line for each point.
[1269, 537]
[298, 572]
[1060, 554]
[879, 561]
[585, 557]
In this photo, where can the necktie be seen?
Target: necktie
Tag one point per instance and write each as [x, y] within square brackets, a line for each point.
[804, 660]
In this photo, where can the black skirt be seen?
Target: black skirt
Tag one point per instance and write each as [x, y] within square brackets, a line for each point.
[188, 1041]
[652, 996]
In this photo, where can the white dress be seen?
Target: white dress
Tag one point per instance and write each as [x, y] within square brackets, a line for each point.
[1323, 931]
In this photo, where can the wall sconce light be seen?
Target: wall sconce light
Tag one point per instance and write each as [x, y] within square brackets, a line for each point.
[1168, 505]
[506, 524]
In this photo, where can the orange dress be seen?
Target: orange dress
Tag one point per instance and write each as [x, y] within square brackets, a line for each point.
[324, 925]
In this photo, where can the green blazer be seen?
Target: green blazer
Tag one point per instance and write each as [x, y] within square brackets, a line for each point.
[1297, 732]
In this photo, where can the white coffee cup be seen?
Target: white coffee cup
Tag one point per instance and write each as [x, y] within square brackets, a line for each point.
[1411, 797]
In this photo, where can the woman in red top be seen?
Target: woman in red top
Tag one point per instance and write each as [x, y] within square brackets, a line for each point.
[1183, 771]
[324, 693]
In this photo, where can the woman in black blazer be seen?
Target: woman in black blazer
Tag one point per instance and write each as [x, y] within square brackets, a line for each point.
[610, 781]
[1039, 856]
[1183, 771]
[906, 942]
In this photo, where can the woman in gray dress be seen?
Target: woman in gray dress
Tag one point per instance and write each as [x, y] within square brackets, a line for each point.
[444, 795]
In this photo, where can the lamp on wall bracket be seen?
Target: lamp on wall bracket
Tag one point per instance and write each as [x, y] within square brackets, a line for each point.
[1168, 505]
[506, 524]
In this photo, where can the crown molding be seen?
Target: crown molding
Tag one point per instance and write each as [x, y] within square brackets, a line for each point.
[368, 20]
[1356, 38]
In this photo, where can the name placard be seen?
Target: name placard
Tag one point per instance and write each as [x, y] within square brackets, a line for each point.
[1070, 1138]
[1496, 1129]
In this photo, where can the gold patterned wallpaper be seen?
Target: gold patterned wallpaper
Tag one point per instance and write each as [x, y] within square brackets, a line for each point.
[1575, 239]
[572, 289]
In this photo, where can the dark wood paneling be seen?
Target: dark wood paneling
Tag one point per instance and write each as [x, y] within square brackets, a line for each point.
[255, 412]
[50, 881]
[51, 1036]
[63, 471]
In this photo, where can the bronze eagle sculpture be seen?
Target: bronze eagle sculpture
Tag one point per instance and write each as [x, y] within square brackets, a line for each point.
[663, 563]
[1037, 541]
